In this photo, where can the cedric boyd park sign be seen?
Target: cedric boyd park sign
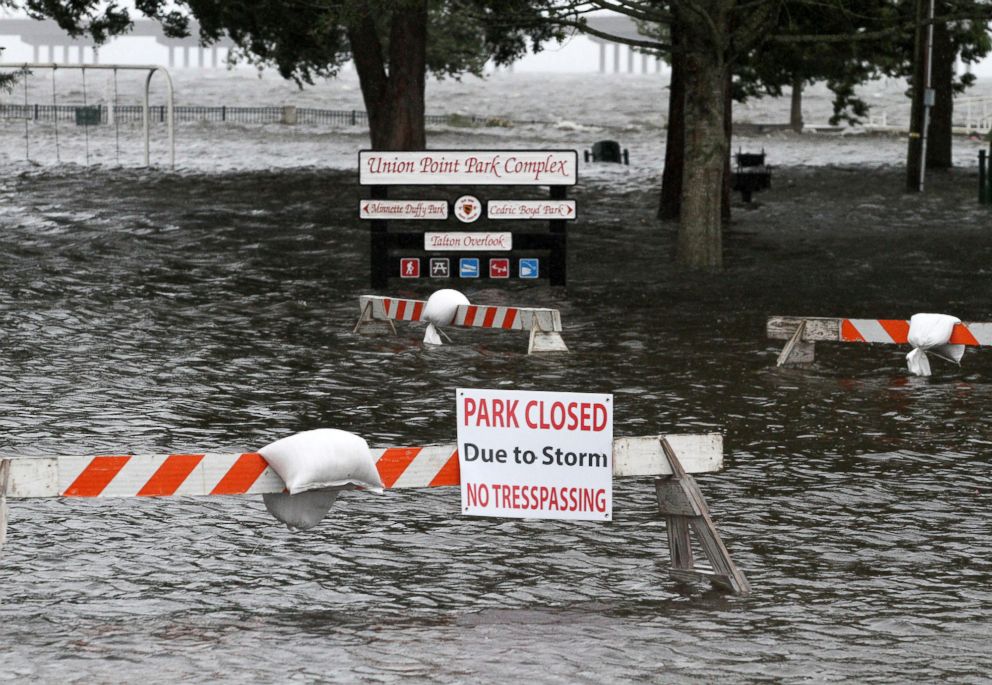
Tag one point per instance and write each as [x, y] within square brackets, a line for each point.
[536, 454]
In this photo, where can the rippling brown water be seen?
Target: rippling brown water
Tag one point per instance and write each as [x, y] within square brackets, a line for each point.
[195, 312]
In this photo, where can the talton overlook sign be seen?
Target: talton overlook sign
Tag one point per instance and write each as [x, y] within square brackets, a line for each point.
[482, 251]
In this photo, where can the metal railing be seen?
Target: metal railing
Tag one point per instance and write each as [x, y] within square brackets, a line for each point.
[243, 115]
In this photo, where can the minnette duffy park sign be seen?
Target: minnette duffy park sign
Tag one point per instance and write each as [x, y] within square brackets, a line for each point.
[469, 167]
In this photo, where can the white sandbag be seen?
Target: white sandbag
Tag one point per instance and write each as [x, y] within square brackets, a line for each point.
[931, 332]
[440, 311]
[431, 336]
[322, 458]
[302, 511]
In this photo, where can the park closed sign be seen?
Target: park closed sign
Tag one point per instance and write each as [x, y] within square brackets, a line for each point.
[536, 454]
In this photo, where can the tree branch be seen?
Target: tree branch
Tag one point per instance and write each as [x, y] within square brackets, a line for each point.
[584, 27]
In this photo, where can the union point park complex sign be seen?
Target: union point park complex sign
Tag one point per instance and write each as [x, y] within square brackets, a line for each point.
[481, 252]
[468, 167]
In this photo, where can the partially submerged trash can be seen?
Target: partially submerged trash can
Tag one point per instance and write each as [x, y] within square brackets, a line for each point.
[751, 174]
[608, 151]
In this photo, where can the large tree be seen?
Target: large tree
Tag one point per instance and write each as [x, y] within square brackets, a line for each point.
[767, 44]
[710, 35]
[394, 43]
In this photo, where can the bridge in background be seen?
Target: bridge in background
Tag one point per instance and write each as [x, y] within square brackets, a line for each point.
[48, 35]
[624, 27]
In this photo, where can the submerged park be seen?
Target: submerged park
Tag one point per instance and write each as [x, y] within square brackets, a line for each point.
[177, 314]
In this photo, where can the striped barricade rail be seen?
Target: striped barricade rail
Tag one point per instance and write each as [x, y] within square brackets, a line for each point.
[208, 473]
[544, 325]
[211, 473]
[802, 333]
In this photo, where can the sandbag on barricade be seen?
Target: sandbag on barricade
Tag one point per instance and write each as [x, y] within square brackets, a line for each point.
[440, 311]
[931, 332]
[316, 465]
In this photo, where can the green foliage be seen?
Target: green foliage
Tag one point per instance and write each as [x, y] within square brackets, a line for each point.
[308, 41]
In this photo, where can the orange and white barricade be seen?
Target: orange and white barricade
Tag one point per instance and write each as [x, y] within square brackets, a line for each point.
[209, 474]
[544, 325]
[803, 332]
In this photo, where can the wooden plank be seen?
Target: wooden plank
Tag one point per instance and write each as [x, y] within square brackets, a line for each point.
[52, 476]
[541, 342]
[828, 329]
[795, 351]
[529, 318]
[673, 499]
[4, 479]
[713, 547]
[33, 477]
[697, 574]
[643, 456]
[679, 542]
[818, 329]
[372, 308]
[716, 553]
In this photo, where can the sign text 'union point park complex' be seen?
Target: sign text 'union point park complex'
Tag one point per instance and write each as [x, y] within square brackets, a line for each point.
[469, 167]
[525, 253]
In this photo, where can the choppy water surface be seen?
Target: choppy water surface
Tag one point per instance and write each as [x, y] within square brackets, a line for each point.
[213, 312]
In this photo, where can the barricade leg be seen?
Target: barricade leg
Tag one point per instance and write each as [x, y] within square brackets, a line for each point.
[682, 504]
[4, 477]
[367, 325]
[544, 341]
[796, 352]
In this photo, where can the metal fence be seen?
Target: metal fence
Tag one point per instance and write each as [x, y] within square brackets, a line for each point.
[242, 115]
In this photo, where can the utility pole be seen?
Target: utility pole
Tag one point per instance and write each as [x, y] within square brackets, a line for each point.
[923, 97]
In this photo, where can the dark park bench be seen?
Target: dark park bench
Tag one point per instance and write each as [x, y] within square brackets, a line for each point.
[751, 174]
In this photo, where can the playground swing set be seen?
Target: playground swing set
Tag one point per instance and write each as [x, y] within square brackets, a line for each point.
[85, 115]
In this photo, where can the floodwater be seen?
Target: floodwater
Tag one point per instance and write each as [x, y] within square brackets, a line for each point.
[148, 311]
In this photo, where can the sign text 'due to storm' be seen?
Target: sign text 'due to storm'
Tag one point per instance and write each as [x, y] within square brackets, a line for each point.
[470, 167]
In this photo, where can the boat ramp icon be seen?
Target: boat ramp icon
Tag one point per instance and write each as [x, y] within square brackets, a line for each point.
[468, 267]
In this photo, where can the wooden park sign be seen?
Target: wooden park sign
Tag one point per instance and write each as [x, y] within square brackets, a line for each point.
[457, 253]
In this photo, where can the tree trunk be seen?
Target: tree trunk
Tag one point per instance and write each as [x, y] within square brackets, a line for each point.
[728, 131]
[394, 101]
[671, 177]
[796, 110]
[939, 135]
[706, 145]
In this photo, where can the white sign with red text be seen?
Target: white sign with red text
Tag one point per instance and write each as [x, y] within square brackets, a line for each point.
[466, 242]
[403, 209]
[531, 209]
[536, 454]
[468, 167]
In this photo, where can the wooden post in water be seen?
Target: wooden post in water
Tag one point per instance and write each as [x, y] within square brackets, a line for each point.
[983, 188]
[682, 504]
[4, 477]
[380, 243]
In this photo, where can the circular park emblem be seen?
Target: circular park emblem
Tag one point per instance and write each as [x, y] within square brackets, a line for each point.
[468, 208]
